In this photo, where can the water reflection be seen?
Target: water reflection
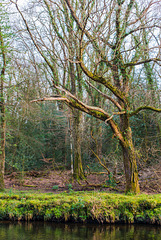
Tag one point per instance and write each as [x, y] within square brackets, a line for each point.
[51, 231]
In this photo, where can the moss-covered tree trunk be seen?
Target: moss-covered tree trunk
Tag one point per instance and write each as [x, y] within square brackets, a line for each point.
[129, 157]
[78, 168]
[130, 166]
[2, 148]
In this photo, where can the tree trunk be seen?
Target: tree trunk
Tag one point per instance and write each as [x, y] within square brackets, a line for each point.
[71, 144]
[129, 157]
[78, 168]
[130, 166]
[159, 133]
[2, 148]
[2, 114]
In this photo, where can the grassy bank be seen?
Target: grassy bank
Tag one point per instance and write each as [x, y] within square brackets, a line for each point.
[81, 207]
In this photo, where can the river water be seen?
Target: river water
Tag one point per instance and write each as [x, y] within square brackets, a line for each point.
[52, 231]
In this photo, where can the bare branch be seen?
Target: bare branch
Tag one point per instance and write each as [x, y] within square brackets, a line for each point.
[53, 22]
[33, 39]
[106, 96]
[138, 29]
[142, 62]
[144, 108]
[108, 119]
[81, 27]
[94, 111]
[100, 162]
[50, 99]
[118, 93]
[114, 113]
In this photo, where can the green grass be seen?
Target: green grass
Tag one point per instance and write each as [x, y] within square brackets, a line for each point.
[101, 207]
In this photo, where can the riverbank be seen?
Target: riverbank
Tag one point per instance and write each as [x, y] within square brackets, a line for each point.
[100, 207]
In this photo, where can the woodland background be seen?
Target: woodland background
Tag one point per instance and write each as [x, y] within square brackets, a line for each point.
[50, 134]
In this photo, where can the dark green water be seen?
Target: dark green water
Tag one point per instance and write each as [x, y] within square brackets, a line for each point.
[48, 231]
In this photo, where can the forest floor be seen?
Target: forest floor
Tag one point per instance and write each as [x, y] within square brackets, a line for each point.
[61, 181]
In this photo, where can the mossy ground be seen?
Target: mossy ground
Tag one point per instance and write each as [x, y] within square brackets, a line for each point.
[101, 207]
